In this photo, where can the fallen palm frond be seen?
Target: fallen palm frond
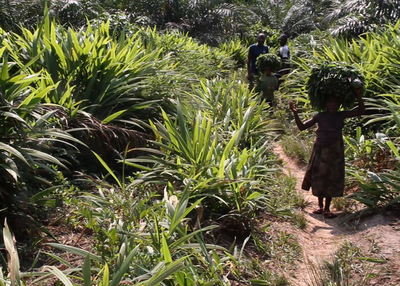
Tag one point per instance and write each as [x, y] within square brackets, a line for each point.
[95, 133]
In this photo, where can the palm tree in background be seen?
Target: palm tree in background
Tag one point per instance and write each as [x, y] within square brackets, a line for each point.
[349, 17]
[292, 16]
[207, 20]
[212, 21]
[354, 17]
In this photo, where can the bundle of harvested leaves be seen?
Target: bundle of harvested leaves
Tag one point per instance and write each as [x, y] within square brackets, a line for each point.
[268, 60]
[333, 78]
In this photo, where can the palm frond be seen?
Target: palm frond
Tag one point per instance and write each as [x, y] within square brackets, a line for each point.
[356, 17]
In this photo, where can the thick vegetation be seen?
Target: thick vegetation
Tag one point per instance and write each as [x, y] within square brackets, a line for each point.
[138, 129]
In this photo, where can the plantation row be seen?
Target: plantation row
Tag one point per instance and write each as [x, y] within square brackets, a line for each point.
[154, 145]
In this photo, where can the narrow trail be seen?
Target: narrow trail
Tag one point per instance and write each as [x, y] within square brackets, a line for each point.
[322, 237]
[377, 236]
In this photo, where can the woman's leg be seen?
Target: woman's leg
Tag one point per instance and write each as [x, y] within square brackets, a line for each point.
[321, 202]
[327, 212]
[327, 204]
[320, 209]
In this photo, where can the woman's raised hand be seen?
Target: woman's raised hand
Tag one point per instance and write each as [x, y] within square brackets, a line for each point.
[292, 106]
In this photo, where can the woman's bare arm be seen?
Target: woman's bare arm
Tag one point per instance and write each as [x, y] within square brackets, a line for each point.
[300, 124]
[361, 106]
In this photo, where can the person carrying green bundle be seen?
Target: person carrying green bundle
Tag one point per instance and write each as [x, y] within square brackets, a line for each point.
[326, 167]
[267, 82]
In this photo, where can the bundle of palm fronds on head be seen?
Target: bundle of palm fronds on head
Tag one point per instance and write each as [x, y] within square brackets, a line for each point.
[333, 78]
[268, 60]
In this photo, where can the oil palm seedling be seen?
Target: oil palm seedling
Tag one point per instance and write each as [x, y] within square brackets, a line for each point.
[100, 82]
[156, 243]
[33, 149]
[26, 126]
[378, 193]
[233, 107]
[191, 58]
[237, 51]
[219, 148]
[87, 66]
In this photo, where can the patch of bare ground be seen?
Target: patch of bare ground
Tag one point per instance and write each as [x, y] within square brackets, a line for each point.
[377, 237]
[65, 234]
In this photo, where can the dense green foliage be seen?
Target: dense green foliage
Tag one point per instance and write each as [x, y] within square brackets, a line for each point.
[100, 90]
[152, 143]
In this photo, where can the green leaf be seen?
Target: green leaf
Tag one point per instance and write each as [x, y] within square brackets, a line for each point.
[35, 97]
[253, 196]
[165, 249]
[393, 148]
[108, 169]
[113, 116]
[374, 260]
[13, 151]
[116, 279]
[256, 282]
[42, 194]
[13, 173]
[4, 69]
[87, 272]
[44, 156]
[75, 250]
[179, 242]
[60, 275]
[58, 259]
[165, 272]
[106, 276]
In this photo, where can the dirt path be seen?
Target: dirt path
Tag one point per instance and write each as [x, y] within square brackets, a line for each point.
[323, 237]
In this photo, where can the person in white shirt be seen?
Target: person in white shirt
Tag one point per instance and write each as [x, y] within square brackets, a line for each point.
[284, 54]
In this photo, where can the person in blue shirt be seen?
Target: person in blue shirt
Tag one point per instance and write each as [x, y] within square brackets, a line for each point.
[254, 51]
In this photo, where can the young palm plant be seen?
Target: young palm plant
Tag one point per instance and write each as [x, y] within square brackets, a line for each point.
[148, 242]
[219, 140]
[33, 150]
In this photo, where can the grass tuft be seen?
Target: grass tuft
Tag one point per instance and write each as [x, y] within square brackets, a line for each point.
[296, 147]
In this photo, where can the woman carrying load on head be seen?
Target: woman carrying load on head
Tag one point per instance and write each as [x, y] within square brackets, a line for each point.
[326, 167]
